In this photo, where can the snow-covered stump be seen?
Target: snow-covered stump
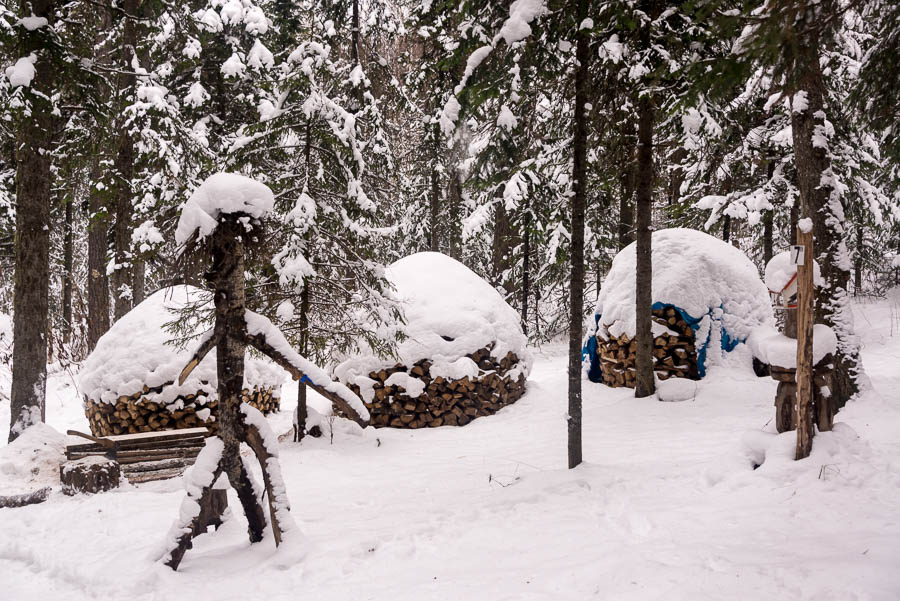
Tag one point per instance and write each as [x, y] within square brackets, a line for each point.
[128, 380]
[89, 475]
[706, 299]
[463, 355]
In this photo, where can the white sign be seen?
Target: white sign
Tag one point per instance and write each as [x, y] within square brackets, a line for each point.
[798, 254]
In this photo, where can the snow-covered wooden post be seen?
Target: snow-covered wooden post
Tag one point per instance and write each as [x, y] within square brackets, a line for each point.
[224, 211]
[805, 307]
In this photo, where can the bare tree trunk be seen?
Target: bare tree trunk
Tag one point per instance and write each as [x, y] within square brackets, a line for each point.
[302, 410]
[726, 228]
[68, 261]
[138, 281]
[577, 202]
[626, 209]
[434, 236]
[32, 241]
[123, 278]
[500, 246]
[768, 235]
[644, 383]
[858, 261]
[98, 285]
[227, 276]
[526, 265]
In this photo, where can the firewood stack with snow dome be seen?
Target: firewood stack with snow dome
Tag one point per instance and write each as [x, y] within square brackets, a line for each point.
[129, 381]
[463, 355]
[707, 299]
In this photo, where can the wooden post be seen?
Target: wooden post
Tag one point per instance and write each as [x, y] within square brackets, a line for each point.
[805, 307]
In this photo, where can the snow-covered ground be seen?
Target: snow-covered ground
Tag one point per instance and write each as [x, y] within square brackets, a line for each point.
[667, 505]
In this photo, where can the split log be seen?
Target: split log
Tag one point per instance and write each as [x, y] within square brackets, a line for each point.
[29, 498]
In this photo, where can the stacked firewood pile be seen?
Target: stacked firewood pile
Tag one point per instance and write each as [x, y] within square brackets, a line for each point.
[445, 402]
[139, 457]
[674, 352]
[130, 415]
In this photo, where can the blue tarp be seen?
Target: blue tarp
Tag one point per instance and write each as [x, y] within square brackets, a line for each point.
[589, 351]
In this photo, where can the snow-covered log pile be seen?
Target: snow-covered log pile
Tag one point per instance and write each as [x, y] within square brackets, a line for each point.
[130, 381]
[707, 298]
[463, 355]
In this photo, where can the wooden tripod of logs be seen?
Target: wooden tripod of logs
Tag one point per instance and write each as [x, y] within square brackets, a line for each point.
[229, 338]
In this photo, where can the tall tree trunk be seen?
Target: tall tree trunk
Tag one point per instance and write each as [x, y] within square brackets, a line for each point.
[302, 410]
[822, 203]
[98, 284]
[138, 281]
[68, 262]
[32, 241]
[577, 202]
[626, 208]
[768, 220]
[123, 279]
[726, 228]
[644, 383]
[858, 260]
[434, 236]
[526, 265]
[500, 246]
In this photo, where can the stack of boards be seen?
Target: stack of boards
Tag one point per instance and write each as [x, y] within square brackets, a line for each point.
[146, 456]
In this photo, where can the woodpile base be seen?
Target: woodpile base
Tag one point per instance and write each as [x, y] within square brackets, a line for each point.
[134, 414]
[445, 402]
[89, 475]
[674, 352]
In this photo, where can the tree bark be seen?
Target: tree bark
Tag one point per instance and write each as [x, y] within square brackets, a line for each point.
[577, 202]
[68, 235]
[526, 265]
[98, 284]
[302, 408]
[645, 384]
[858, 260]
[626, 209]
[227, 277]
[434, 235]
[726, 228]
[123, 280]
[500, 246]
[32, 241]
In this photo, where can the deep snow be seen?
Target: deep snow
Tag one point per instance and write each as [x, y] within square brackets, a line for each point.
[667, 505]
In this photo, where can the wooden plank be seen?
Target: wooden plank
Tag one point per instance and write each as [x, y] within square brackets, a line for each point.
[163, 444]
[164, 465]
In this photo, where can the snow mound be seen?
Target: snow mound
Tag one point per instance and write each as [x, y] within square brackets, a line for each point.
[140, 350]
[450, 312]
[222, 193]
[713, 285]
[675, 390]
[774, 348]
[32, 460]
[780, 272]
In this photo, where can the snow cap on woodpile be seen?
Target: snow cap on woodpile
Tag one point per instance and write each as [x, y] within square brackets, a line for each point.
[450, 312]
[220, 194]
[140, 350]
[713, 285]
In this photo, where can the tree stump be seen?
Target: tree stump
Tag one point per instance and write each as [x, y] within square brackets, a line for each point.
[786, 396]
[89, 475]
